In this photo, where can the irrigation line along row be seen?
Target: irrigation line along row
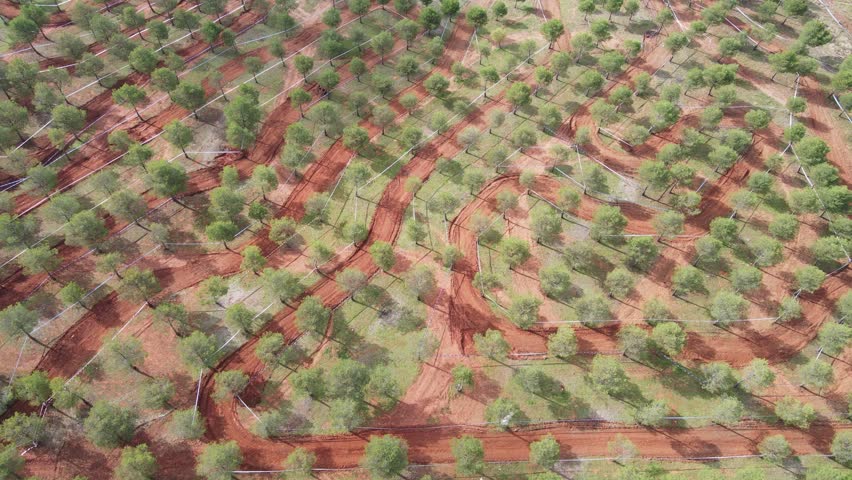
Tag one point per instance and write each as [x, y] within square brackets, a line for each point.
[454, 117]
[158, 134]
[191, 114]
[80, 35]
[124, 67]
[150, 211]
[163, 97]
[562, 460]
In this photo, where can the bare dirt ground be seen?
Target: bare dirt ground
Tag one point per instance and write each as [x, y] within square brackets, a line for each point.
[466, 312]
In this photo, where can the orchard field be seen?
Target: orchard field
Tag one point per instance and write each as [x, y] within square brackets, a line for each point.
[346, 239]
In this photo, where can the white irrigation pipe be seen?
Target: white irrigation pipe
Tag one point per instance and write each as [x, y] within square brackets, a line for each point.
[247, 407]
[434, 133]
[72, 377]
[756, 23]
[629, 182]
[795, 94]
[92, 291]
[18, 361]
[569, 177]
[469, 43]
[541, 11]
[673, 320]
[677, 19]
[197, 396]
[808, 178]
[615, 136]
[833, 17]
[738, 29]
[128, 117]
[841, 107]
[652, 235]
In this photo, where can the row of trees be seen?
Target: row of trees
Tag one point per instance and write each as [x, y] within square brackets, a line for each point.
[608, 376]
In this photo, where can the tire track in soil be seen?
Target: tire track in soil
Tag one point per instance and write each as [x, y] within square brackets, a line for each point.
[172, 272]
[269, 142]
[345, 450]
[471, 314]
[267, 146]
[320, 177]
[97, 153]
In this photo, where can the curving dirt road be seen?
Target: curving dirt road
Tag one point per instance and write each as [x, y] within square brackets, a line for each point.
[430, 444]
[470, 313]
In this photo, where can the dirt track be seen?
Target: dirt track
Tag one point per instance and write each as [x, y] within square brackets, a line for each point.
[470, 312]
[84, 338]
[269, 143]
[432, 444]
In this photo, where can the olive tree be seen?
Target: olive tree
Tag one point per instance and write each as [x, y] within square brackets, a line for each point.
[385, 456]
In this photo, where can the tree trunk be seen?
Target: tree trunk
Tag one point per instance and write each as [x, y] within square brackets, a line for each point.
[36, 51]
[44, 34]
[36, 340]
[49, 274]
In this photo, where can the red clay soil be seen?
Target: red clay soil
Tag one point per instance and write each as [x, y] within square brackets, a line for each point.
[80, 342]
[10, 10]
[470, 313]
[86, 335]
[431, 444]
[17, 286]
[344, 450]
[97, 153]
[268, 145]
[821, 116]
[386, 225]
[393, 203]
